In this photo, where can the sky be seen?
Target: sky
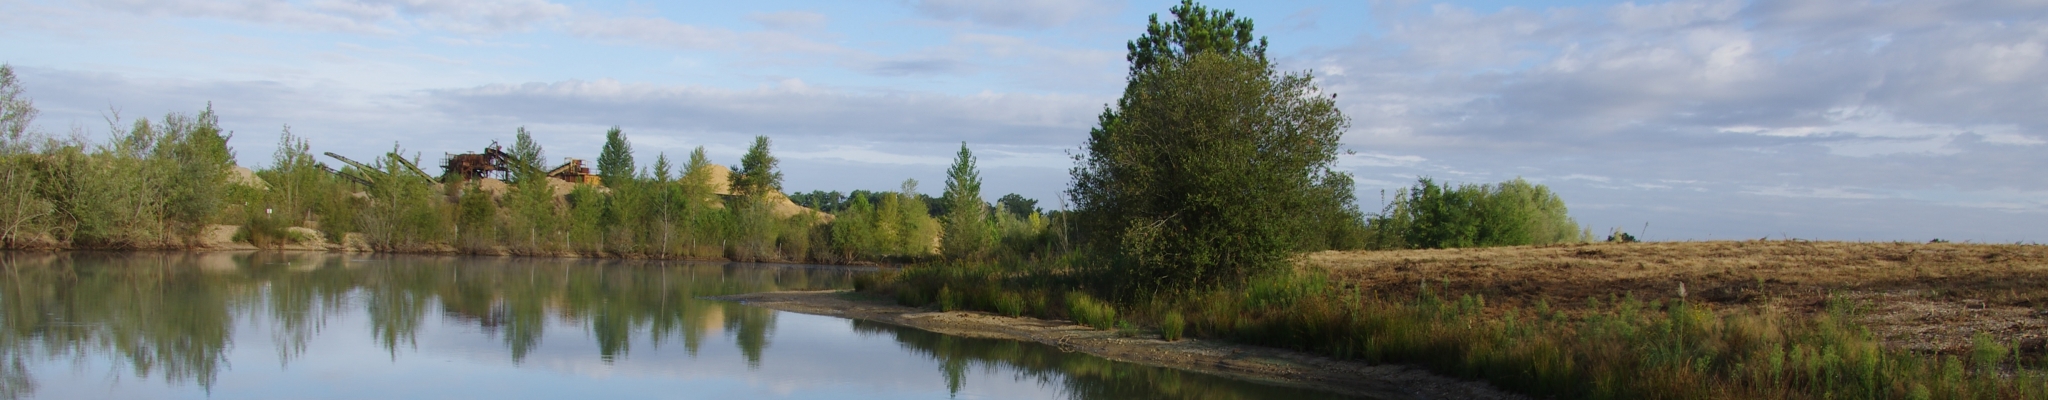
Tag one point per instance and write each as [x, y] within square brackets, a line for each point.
[1672, 120]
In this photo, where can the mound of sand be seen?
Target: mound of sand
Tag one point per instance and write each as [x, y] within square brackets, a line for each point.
[496, 188]
[246, 177]
[780, 204]
[721, 179]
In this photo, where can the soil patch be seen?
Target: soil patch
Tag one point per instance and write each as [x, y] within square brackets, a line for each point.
[1256, 363]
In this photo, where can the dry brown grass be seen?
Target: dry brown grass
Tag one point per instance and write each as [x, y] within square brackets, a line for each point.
[1921, 297]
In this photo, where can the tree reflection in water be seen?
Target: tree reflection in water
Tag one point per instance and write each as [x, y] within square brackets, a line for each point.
[1079, 376]
[172, 315]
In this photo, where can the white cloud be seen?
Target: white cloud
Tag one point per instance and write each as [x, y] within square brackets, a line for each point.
[865, 154]
[1015, 13]
[1372, 159]
[364, 16]
[789, 109]
[789, 20]
[650, 30]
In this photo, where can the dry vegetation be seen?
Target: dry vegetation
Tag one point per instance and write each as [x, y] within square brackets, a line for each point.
[1923, 297]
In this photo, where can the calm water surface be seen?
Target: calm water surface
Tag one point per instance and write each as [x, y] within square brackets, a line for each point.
[318, 326]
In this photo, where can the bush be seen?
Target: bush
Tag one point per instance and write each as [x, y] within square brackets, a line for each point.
[1171, 326]
[947, 302]
[1511, 213]
[1085, 310]
[1010, 304]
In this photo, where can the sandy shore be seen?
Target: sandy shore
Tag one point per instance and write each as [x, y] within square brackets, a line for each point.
[1256, 363]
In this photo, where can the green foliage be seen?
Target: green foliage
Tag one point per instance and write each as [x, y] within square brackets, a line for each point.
[1212, 167]
[757, 174]
[476, 219]
[755, 229]
[586, 219]
[1206, 175]
[1018, 205]
[1511, 213]
[23, 214]
[854, 232]
[1086, 310]
[530, 161]
[1617, 347]
[16, 112]
[1172, 326]
[156, 183]
[404, 212]
[915, 233]
[967, 233]
[615, 161]
[194, 154]
[139, 190]
[1009, 303]
[1196, 29]
[534, 218]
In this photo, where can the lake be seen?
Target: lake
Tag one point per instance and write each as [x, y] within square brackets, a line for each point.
[93, 325]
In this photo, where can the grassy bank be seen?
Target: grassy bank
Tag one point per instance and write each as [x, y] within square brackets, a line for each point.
[1794, 344]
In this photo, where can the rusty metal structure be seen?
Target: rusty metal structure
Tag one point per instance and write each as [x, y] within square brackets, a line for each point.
[493, 162]
[369, 172]
[573, 171]
[344, 175]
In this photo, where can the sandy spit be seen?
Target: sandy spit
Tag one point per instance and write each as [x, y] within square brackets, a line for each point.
[1265, 364]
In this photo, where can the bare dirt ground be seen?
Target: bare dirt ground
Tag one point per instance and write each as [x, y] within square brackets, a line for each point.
[1923, 297]
[1247, 362]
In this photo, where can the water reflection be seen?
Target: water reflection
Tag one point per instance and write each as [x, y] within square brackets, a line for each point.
[1077, 375]
[176, 317]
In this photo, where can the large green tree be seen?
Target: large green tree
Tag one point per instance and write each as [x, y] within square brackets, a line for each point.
[966, 234]
[615, 161]
[1209, 167]
[757, 174]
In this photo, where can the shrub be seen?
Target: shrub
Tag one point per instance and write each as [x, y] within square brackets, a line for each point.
[1085, 310]
[1512, 213]
[1010, 304]
[1171, 326]
[947, 302]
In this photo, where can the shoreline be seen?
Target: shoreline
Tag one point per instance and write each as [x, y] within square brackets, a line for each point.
[1255, 363]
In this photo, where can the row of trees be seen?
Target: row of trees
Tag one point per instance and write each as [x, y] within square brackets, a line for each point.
[159, 184]
[663, 211]
[152, 184]
[1212, 168]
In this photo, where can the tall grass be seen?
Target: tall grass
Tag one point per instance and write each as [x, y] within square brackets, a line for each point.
[1614, 348]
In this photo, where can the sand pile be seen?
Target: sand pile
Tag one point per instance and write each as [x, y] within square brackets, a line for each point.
[496, 188]
[780, 204]
[246, 177]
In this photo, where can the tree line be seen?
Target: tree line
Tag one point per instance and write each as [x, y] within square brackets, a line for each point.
[1213, 168]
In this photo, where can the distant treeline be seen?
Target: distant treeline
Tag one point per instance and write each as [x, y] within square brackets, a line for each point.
[159, 184]
[666, 210]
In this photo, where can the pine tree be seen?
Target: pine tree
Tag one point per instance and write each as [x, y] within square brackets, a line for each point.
[531, 161]
[757, 174]
[966, 221]
[615, 161]
[662, 167]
